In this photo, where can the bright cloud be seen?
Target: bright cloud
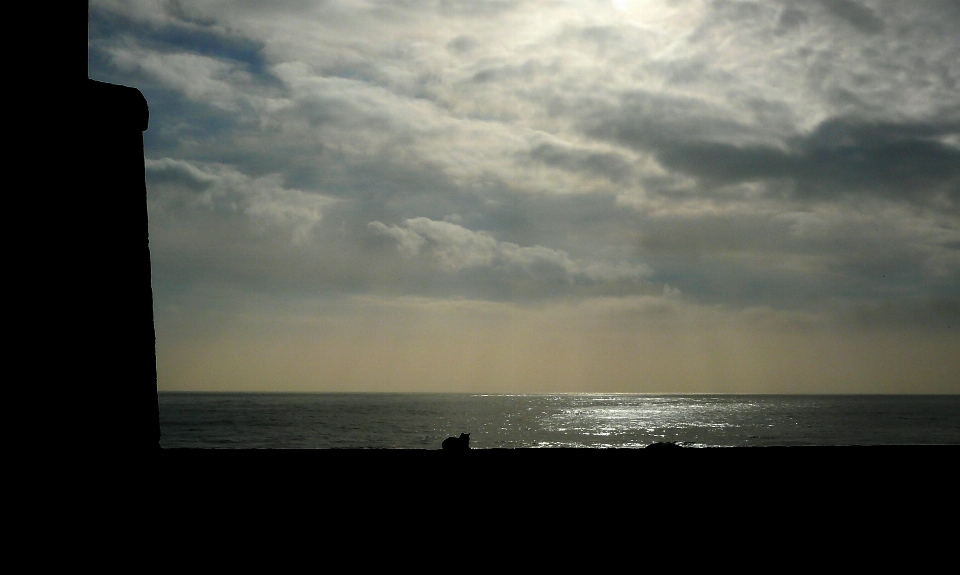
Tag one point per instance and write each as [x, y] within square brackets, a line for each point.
[454, 247]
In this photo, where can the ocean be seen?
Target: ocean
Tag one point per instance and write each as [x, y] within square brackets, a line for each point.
[599, 421]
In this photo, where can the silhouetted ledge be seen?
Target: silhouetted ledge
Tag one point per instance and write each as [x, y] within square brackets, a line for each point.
[792, 482]
[117, 107]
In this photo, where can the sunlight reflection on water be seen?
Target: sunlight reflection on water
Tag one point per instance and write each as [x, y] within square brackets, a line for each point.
[636, 421]
[408, 421]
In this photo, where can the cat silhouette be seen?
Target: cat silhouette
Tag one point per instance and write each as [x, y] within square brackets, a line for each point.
[462, 442]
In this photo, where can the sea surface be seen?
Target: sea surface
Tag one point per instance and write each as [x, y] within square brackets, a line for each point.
[423, 420]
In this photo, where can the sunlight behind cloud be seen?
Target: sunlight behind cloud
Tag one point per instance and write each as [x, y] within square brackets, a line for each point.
[644, 195]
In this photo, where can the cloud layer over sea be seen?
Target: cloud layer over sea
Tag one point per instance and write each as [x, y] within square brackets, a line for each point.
[549, 195]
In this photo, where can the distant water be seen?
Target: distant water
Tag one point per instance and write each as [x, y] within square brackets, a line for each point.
[422, 421]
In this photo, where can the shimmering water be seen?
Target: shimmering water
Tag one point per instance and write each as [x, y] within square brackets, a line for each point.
[422, 421]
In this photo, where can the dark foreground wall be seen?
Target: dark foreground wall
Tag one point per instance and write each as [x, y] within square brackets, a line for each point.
[112, 267]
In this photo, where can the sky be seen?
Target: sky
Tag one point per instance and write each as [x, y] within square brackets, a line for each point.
[539, 196]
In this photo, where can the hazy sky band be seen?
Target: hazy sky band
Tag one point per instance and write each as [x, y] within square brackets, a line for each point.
[630, 195]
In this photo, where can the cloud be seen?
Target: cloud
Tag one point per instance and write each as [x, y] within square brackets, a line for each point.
[613, 166]
[861, 17]
[647, 120]
[178, 187]
[841, 157]
[463, 44]
[200, 78]
[451, 248]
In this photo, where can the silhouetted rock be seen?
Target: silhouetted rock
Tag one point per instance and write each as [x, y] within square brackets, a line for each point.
[462, 442]
[662, 444]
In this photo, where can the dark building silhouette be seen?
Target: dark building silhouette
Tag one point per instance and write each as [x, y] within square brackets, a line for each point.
[109, 270]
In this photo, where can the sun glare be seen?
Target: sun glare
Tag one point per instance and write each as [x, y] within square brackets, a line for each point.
[655, 14]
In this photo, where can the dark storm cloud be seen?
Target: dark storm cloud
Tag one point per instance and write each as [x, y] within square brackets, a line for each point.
[796, 13]
[647, 121]
[841, 156]
[789, 19]
[614, 167]
[855, 14]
